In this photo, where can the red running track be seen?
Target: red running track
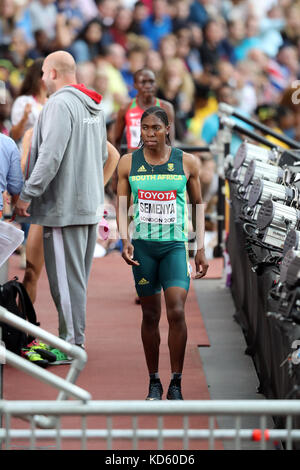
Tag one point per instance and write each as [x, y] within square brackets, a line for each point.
[116, 368]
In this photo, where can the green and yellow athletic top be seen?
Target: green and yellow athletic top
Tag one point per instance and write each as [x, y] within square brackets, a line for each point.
[160, 211]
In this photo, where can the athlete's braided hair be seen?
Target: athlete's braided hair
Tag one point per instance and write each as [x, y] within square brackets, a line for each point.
[162, 115]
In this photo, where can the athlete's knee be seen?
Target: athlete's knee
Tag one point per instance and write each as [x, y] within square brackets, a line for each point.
[176, 315]
[151, 317]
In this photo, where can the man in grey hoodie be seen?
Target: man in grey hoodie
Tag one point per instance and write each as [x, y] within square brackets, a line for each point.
[66, 169]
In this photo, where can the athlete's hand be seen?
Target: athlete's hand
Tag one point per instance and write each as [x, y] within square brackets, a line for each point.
[127, 254]
[201, 264]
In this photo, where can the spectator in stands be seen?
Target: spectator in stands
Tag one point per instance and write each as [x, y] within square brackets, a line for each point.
[182, 13]
[88, 9]
[226, 72]
[19, 52]
[43, 14]
[233, 9]
[242, 78]
[251, 40]
[198, 12]
[73, 14]
[14, 16]
[197, 35]
[273, 79]
[154, 61]
[176, 86]
[288, 59]
[224, 94]
[280, 72]
[9, 77]
[41, 47]
[245, 89]
[65, 33]
[121, 27]
[286, 121]
[135, 62]
[235, 34]
[290, 100]
[88, 43]
[139, 14]
[107, 10]
[205, 105]
[114, 59]
[268, 114]
[158, 24]
[168, 47]
[210, 49]
[291, 31]
[148, 4]
[27, 106]
[188, 53]
[101, 86]
[270, 28]
[86, 73]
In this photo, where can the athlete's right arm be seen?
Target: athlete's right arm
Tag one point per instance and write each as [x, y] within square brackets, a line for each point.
[123, 204]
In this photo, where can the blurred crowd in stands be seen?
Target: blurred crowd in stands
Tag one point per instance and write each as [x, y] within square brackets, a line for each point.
[242, 52]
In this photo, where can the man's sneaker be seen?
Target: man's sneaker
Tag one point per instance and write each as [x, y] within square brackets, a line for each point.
[174, 391]
[155, 390]
[34, 357]
[61, 358]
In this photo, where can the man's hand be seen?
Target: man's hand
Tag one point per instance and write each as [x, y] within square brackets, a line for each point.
[201, 264]
[127, 254]
[21, 208]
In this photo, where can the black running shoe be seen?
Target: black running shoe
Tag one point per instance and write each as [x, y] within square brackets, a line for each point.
[155, 390]
[174, 391]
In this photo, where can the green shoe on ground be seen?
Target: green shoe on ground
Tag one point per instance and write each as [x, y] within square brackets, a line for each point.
[61, 358]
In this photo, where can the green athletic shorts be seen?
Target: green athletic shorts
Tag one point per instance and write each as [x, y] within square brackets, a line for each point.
[163, 264]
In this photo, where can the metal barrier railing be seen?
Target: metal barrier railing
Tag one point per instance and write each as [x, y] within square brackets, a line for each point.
[65, 386]
[227, 110]
[160, 409]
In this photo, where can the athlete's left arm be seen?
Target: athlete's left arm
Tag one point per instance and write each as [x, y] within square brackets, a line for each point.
[111, 163]
[192, 170]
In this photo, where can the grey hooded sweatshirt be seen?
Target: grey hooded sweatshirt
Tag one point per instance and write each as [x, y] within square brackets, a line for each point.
[65, 164]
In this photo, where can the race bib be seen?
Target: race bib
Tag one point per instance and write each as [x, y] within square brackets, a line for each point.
[157, 207]
[135, 136]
